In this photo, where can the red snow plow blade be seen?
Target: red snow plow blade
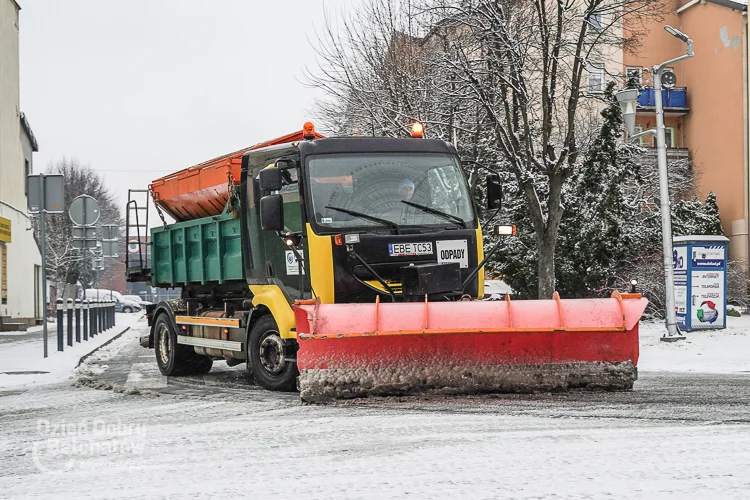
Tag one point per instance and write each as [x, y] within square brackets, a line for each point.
[357, 350]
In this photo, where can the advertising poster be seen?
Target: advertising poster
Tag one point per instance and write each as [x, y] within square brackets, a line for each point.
[707, 294]
[680, 265]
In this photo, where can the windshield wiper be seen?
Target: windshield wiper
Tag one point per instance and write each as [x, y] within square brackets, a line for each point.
[361, 215]
[434, 211]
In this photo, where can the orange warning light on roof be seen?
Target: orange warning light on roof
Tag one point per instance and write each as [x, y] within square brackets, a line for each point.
[417, 130]
[308, 131]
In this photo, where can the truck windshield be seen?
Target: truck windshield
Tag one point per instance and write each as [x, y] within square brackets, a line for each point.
[403, 189]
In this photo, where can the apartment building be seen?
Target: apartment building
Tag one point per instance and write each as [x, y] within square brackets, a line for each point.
[706, 112]
[20, 257]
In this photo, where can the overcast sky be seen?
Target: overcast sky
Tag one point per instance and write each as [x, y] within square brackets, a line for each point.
[141, 88]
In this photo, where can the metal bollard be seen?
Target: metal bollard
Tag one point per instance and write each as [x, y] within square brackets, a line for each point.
[60, 334]
[92, 318]
[105, 315]
[95, 324]
[69, 307]
[85, 308]
[78, 320]
[100, 316]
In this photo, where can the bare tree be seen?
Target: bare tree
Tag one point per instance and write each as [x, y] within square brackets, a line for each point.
[66, 264]
[507, 82]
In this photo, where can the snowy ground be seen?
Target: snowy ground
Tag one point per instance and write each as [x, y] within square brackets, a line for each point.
[713, 351]
[22, 361]
[676, 435]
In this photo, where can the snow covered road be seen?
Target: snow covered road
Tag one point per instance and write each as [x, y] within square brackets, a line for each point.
[677, 435]
[62, 442]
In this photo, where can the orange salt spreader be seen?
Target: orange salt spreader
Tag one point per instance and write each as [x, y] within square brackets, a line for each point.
[203, 189]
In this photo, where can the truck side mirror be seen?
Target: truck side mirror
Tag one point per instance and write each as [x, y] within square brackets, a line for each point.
[272, 212]
[270, 179]
[494, 192]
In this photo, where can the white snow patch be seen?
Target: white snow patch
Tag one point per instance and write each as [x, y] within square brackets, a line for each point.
[710, 351]
[23, 365]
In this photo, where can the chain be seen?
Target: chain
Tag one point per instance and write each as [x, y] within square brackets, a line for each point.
[231, 192]
[158, 208]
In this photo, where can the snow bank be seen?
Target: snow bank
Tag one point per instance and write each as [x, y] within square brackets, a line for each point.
[23, 365]
[322, 385]
[715, 351]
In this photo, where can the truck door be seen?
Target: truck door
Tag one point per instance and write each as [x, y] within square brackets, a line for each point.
[281, 261]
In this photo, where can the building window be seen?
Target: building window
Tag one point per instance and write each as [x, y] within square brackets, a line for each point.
[595, 21]
[596, 77]
[634, 73]
[669, 137]
[26, 174]
[637, 130]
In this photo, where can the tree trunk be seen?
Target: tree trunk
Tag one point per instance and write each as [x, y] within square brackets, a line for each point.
[546, 267]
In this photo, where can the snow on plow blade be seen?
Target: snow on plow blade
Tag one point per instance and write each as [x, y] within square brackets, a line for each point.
[357, 350]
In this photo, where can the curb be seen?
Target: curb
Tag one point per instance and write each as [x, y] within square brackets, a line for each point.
[83, 358]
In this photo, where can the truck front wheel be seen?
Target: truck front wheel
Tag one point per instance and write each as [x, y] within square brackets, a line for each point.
[265, 357]
[176, 359]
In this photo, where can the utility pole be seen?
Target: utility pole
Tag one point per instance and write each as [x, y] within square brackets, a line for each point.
[627, 99]
[43, 238]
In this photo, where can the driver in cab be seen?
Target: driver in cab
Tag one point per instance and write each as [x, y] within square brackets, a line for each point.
[405, 193]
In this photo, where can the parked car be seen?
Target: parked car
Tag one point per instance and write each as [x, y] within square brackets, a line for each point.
[496, 290]
[121, 303]
[138, 300]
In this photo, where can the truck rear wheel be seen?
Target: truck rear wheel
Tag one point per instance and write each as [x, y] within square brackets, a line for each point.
[265, 357]
[176, 359]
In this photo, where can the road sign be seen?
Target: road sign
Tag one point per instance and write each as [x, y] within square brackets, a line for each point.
[81, 244]
[109, 249]
[83, 232]
[84, 210]
[54, 193]
[46, 194]
[110, 232]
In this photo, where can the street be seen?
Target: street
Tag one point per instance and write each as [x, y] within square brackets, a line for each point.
[217, 436]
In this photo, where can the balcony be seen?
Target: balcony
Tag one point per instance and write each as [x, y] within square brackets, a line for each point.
[674, 101]
[673, 154]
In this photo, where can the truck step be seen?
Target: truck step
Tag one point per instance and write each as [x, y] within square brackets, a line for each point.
[13, 327]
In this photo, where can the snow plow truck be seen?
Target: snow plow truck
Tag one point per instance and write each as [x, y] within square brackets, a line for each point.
[349, 267]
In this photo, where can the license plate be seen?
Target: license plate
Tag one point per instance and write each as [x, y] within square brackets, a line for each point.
[409, 249]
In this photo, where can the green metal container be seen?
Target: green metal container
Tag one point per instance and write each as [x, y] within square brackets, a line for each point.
[200, 251]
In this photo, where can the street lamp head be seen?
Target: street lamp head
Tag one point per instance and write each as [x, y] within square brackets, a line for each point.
[676, 33]
[628, 100]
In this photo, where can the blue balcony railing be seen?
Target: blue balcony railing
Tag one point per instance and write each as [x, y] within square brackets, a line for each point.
[671, 98]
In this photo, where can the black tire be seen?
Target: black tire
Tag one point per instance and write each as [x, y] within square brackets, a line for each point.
[265, 357]
[176, 359]
[127, 309]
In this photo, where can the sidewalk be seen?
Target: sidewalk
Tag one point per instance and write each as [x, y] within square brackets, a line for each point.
[22, 362]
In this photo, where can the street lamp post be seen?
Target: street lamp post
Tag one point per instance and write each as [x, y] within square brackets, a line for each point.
[627, 99]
